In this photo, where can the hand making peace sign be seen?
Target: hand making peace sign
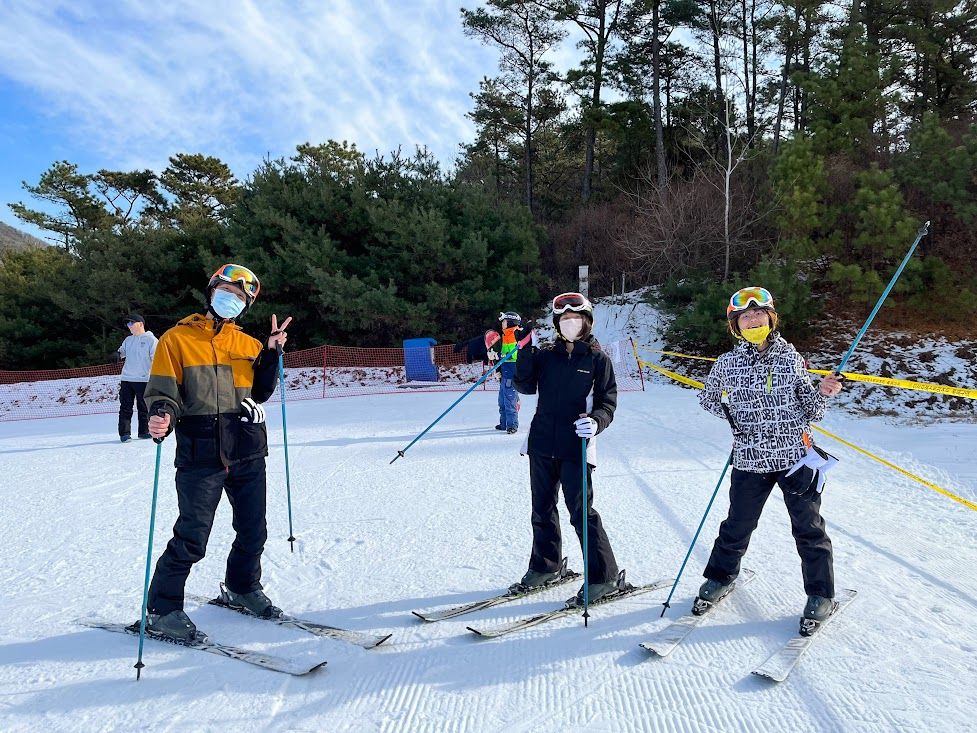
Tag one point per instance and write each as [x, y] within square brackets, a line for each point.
[278, 335]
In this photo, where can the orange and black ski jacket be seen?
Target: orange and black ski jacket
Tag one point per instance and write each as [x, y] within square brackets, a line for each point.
[200, 376]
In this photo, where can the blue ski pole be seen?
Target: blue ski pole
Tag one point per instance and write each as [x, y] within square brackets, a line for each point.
[149, 556]
[586, 549]
[288, 481]
[503, 360]
[697, 531]
[885, 294]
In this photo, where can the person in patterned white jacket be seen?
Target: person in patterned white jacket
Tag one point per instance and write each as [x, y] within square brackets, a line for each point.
[772, 403]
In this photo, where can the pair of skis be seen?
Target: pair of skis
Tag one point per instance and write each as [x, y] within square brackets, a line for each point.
[779, 665]
[265, 661]
[569, 608]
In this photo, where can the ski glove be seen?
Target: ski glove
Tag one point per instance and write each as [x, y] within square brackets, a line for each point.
[534, 338]
[586, 427]
[807, 476]
[252, 412]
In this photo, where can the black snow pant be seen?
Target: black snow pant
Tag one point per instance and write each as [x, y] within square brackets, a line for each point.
[748, 493]
[128, 392]
[198, 492]
[546, 475]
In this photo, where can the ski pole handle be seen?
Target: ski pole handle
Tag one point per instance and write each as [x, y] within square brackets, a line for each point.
[160, 412]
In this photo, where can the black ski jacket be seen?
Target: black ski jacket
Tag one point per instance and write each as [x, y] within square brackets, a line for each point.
[564, 382]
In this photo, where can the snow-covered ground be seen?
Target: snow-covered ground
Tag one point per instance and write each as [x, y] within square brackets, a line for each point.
[450, 523]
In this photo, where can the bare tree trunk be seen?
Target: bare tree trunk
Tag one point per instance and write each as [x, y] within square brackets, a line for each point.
[716, 57]
[591, 137]
[529, 148]
[656, 100]
[746, 71]
[727, 203]
[789, 46]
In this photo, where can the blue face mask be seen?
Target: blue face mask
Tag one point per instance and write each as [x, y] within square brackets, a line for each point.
[226, 305]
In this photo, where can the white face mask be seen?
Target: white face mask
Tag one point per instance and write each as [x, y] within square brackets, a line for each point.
[571, 327]
[226, 305]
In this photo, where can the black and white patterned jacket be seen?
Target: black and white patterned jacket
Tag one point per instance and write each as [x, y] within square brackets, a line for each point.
[772, 401]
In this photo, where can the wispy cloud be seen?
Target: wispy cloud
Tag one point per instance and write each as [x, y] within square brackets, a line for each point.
[134, 82]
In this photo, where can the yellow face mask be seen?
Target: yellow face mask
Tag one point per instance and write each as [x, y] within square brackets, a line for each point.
[756, 335]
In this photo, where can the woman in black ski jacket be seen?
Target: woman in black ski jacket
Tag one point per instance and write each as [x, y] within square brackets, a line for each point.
[772, 403]
[577, 398]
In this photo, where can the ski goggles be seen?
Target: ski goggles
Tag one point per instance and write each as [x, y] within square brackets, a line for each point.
[239, 275]
[571, 302]
[749, 297]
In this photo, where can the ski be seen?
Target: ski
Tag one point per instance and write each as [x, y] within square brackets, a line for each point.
[664, 642]
[265, 661]
[359, 638]
[515, 591]
[782, 661]
[569, 609]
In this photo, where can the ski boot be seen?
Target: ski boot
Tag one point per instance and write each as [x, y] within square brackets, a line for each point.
[173, 626]
[710, 593]
[816, 612]
[537, 578]
[255, 602]
[512, 431]
[597, 591]
[125, 438]
[500, 427]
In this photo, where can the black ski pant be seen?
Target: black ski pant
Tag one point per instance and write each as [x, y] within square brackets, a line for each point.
[546, 475]
[198, 492]
[748, 493]
[128, 392]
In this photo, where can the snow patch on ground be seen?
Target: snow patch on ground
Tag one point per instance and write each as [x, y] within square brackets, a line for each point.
[449, 523]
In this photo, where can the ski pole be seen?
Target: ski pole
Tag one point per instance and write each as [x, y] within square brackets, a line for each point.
[503, 360]
[149, 555]
[885, 294]
[288, 481]
[586, 549]
[697, 531]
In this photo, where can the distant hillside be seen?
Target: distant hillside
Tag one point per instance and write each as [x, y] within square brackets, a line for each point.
[11, 238]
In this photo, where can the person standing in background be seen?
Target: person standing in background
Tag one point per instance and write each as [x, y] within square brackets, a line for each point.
[137, 352]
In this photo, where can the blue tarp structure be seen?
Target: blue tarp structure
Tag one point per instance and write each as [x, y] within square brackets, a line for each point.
[419, 360]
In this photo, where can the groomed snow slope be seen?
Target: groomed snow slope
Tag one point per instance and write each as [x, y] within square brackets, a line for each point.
[450, 523]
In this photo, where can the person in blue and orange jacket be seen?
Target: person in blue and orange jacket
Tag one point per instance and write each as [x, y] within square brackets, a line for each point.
[514, 336]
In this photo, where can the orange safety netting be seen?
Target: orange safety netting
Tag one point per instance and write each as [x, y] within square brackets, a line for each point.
[317, 373]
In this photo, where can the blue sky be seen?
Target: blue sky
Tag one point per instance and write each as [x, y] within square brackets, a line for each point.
[124, 85]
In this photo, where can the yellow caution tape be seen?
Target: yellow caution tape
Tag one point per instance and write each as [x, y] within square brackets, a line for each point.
[906, 384]
[675, 353]
[970, 394]
[894, 467]
[928, 484]
[672, 375]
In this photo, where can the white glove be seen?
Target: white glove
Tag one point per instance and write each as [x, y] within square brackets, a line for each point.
[535, 338]
[251, 411]
[586, 427]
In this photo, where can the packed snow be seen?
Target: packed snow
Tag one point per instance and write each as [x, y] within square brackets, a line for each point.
[449, 524]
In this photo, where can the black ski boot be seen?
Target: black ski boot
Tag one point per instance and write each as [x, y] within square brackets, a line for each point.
[538, 578]
[816, 612]
[255, 602]
[510, 431]
[596, 591]
[710, 593]
[175, 625]
[500, 427]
